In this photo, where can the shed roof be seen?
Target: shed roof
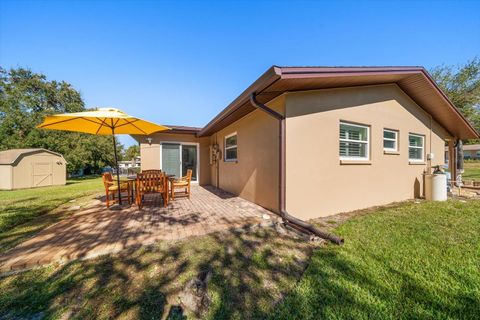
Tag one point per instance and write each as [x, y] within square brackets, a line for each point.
[12, 155]
[414, 81]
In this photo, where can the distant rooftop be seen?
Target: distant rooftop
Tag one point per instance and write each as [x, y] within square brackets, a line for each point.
[469, 147]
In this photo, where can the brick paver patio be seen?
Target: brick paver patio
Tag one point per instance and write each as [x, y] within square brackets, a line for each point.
[96, 230]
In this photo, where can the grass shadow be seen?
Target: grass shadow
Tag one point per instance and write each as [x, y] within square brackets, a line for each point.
[144, 283]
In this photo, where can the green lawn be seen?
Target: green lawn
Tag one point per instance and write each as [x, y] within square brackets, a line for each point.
[24, 212]
[472, 170]
[405, 261]
[412, 261]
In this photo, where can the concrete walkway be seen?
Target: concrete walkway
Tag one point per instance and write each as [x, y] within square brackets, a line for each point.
[96, 230]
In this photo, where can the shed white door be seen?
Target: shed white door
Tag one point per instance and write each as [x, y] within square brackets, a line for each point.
[42, 174]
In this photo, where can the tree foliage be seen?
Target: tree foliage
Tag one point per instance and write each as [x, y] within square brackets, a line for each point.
[131, 152]
[26, 98]
[462, 86]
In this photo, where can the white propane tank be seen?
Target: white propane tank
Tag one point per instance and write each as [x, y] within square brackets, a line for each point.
[436, 186]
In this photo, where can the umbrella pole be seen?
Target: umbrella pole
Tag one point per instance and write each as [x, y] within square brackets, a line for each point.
[116, 166]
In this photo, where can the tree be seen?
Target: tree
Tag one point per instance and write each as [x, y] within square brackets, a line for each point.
[462, 86]
[26, 98]
[131, 152]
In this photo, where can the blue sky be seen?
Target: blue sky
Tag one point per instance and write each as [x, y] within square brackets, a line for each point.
[182, 62]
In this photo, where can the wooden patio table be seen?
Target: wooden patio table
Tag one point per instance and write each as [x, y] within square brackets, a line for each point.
[130, 179]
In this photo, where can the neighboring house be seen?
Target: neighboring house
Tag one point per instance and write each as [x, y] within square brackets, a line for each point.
[316, 141]
[134, 163]
[470, 152]
[29, 168]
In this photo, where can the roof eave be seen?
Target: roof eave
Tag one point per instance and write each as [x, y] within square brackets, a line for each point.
[277, 73]
[328, 71]
[475, 133]
[176, 131]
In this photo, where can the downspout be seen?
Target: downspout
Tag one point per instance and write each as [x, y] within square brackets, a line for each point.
[299, 224]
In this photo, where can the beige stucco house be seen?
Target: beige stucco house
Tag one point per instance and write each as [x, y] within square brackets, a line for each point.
[30, 168]
[316, 141]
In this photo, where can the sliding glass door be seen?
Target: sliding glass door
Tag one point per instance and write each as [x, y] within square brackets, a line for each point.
[171, 159]
[177, 158]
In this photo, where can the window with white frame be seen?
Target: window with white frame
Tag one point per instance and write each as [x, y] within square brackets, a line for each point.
[231, 147]
[354, 141]
[390, 140]
[416, 144]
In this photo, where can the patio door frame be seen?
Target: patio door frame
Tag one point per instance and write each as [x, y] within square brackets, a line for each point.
[196, 144]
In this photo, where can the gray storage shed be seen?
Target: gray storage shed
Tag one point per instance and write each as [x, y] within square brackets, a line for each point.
[30, 168]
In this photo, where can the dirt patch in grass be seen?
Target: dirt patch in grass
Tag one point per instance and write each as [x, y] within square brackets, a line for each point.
[332, 222]
[251, 271]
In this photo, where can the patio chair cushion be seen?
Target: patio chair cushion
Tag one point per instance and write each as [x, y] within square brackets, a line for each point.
[180, 183]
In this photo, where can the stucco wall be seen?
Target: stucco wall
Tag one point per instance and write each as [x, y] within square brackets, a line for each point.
[5, 177]
[23, 172]
[317, 184]
[254, 176]
[150, 154]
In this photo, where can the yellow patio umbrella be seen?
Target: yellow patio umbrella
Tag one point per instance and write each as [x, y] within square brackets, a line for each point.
[104, 121]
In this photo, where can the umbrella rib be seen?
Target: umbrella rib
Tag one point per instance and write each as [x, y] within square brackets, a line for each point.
[88, 120]
[136, 126]
[102, 122]
[128, 122]
[61, 121]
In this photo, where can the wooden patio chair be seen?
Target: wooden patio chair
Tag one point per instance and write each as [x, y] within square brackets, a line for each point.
[111, 187]
[184, 183]
[152, 171]
[151, 182]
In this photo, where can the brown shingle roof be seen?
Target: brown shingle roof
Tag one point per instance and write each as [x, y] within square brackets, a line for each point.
[182, 129]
